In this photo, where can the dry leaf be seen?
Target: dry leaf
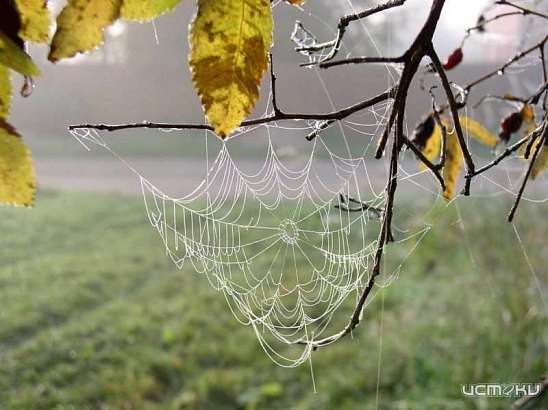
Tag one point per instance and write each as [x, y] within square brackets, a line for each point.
[230, 40]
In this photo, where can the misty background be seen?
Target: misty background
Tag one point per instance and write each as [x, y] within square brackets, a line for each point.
[96, 316]
[141, 74]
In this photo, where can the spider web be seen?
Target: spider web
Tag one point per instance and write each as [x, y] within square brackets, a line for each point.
[289, 240]
[285, 245]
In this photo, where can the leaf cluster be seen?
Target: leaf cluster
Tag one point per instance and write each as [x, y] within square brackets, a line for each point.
[230, 41]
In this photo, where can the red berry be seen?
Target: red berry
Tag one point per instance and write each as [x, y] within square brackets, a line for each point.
[454, 59]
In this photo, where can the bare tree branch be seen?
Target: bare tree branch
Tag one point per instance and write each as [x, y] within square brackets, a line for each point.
[538, 46]
[525, 10]
[507, 152]
[361, 60]
[413, 57]
[344, 21]
[531, 402]
[279, 116]
[481, 24]
[534, 157]
[470, 166]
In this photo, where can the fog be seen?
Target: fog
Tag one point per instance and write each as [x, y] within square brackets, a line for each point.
[141, 73]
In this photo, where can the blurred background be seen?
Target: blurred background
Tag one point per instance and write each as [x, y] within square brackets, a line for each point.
[94, 315]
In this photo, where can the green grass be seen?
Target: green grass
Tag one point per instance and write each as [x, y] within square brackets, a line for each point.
[143, 143]
[180, 144]
[94, 316]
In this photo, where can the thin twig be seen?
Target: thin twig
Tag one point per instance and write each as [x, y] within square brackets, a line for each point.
[360, 60]
[507, 152]
[470, 166]
[523, 9]
[277, 111]
[384, 138]
[345, 200]
[525, 402]
[481, 25]
[344, 21]
[443, 149]
[432, 167]
[280, 116]
[536, 152]
[436, 112]
[502, 68]
[544, 75]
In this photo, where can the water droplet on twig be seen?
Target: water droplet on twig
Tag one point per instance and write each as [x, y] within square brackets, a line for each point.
[28, 87]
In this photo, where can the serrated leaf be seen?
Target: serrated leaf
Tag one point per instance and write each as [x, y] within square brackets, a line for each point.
[80, 26]
[17, 177]
[5, 91]
[35, 19]
[478, 131]
[230, 40]
[12, 56]
[432, 147]
[452, 166]
[143, 10]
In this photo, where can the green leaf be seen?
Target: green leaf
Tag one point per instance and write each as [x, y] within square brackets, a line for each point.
[17, 177]
[143, 10]
[80, 26]
[230, 40]
[12, 56]
[35, 19]
[5, 91]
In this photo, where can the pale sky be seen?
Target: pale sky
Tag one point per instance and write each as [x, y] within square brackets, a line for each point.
[498, 43]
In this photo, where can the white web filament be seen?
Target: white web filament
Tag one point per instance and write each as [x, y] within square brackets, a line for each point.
[285, 246]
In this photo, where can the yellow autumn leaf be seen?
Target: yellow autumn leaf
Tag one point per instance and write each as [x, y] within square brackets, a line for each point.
[296, 2]
[35, 20]
[230, 40]
[17, 177]
[453, 165]
[5, 91]
[541, 163]
[528, 114]
[12, 56]
[144, 10]
[80, 26]
[478, 131]
[432, 148]
[525, 150]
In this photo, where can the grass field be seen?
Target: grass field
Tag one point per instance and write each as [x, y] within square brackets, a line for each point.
[94, 316]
